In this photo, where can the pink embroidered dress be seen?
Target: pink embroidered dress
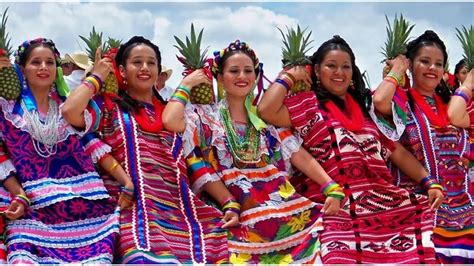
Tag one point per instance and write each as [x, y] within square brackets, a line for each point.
[71, 218]
[443, 152]
[277, 225]
[168, 223]
[378, 222]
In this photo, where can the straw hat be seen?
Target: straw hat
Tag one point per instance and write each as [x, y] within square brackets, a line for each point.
[80, 59]
[166, 70]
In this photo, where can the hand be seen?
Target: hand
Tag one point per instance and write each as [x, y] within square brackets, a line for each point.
[125, 201]
[331, 206]
[469, 81]
[435, 198]
[5, 62]
[102, 66]
[195, 78]
[399, 65]
[15, 210]
[300, 73]
[230, 219]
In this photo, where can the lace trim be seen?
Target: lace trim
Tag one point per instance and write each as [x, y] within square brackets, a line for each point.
[290, 145]
[198, 185]
[386, 129]
[97, 149]
[6, 168]
[64, 128]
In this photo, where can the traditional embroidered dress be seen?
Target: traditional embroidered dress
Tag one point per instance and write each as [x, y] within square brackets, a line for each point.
[470, 109]
[167, 223]
[379, 223]
[443, 153]
[72, 218]
[277, 225]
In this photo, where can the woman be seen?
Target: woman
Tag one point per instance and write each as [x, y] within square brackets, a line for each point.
[68, 215]
[426, 130]
[460, 73]
[243, 162]
[167, 223]
[379, 223]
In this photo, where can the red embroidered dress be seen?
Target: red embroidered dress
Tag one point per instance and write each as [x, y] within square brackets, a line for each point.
[443, 152]
[168, 223]
[277, 225]
[378, 222]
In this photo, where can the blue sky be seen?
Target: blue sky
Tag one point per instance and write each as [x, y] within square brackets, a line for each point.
[362, 24]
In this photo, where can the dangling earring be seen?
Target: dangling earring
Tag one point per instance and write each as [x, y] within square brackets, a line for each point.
[318, 83]
[351, 85]
[220, 90]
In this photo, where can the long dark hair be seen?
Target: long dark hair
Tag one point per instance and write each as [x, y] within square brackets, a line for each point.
[459, 66]
[430, 38]
[360, 93]
[125, 101]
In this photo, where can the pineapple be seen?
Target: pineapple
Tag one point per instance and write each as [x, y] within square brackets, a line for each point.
[111, 82]
[396, 41]
[93, 42]
[293, 53]
[192, 58]
[466, 37]
[10, 87]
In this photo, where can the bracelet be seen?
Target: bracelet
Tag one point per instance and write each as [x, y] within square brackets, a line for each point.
[98, 79]
[462, 94]
[283, 83]
[290, 76]
[428, 182]
[395, 76]
[391, 80]
[230, 198]
[114, 165]
[23, 200]
[333, 189]
[90, 86]
[181, 95]
[94, 83]
[128, 192]
[436, 186]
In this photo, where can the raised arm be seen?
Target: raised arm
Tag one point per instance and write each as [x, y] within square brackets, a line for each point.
[173, 115]
[271, 107]
[457, 111]
[383, 95]
[74, 106]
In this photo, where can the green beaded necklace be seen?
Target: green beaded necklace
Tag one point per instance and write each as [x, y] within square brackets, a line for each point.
[246, 150]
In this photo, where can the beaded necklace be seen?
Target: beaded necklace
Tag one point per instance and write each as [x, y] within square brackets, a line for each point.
[244, 150]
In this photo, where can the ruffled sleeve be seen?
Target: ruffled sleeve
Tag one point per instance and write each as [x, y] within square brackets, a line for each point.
[200, 142]
[94, 146]
[393, 126]
[6, 164]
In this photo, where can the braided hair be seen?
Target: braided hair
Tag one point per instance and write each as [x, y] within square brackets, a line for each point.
[125, 101]
[459, 66]
[430, 38]
[360, 93]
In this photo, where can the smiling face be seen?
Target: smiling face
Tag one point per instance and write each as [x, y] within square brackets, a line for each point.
[40, 68]
[427, 68]
[141, 68]
[238, 75]
[335, 72]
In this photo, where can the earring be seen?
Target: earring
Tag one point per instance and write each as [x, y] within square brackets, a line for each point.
[220, 91]
[351, 85]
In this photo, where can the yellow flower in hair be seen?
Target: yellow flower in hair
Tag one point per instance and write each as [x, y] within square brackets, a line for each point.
[239, 258]
[298, 223]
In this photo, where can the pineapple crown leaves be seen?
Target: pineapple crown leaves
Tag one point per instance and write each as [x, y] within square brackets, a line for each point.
[397, 37]
[466, 37]
[93, 42]
[192, 57]
[4, 38]
[296, 45]
[113, 43]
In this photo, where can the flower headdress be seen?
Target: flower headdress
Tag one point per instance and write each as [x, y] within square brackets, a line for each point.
[20, 59]
[250, 101]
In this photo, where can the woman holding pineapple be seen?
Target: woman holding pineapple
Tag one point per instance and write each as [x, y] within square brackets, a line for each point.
[242, 162]
[378, 222]
[167, 223]
[429, 135]
[43, 156]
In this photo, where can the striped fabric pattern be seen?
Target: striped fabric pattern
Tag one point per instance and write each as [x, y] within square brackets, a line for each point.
[378, 222]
